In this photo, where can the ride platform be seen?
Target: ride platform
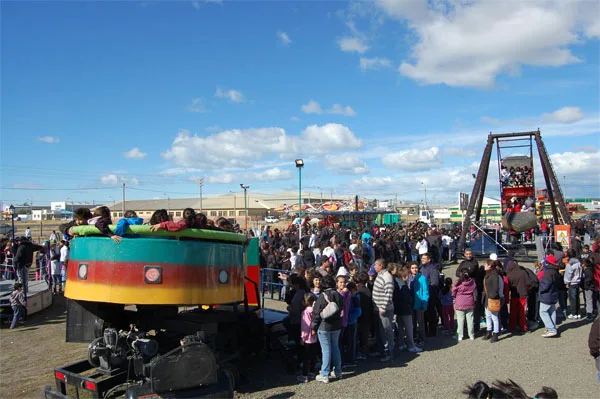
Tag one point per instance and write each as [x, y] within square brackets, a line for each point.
[39, 297]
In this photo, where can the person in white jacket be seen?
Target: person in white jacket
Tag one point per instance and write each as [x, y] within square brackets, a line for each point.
[572, 278]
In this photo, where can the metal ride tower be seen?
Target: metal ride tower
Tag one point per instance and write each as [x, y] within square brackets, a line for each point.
[555, 196]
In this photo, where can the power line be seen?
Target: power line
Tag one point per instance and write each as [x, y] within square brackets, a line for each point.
[60, 189]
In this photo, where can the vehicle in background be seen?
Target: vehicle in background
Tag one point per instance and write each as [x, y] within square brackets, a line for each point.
[271, 219]
[5, 229]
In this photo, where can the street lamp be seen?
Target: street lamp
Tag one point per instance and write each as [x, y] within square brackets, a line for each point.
[234, 207]
[245, 188]
[299, 165]
[11, 209]
[168, 204]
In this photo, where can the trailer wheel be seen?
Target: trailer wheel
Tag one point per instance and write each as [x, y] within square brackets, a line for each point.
[232, 374]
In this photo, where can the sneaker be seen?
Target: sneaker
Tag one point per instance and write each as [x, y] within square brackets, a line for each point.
[578, 316]
[322, 378]
[335, 376]
[472, 338]
[415, 349]
[360, 356]
[402, 347]
[302, 379]
[386, 358]
[494, 338]
[570, 317]
[460, 339]
[549, 334]
[488, 335]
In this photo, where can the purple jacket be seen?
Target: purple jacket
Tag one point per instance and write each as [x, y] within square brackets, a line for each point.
[463, 294]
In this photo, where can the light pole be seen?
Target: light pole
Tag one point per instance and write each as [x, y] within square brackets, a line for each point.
[321, 190]
[201, 184]
[234, 206]
[168, 203]
[30, 200]
[11, 209]
[299, 166]
[66, 206]
[245, 188]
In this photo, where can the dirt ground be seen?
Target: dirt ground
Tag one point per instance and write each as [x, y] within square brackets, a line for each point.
[30, 353]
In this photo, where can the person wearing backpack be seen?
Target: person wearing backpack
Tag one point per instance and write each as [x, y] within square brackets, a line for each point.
[327, 324]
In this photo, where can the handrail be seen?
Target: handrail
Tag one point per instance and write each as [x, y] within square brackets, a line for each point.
[144, 230]
[271, 285]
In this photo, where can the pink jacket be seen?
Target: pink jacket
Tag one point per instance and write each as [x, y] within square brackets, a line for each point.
[305, 332]
[463, 294]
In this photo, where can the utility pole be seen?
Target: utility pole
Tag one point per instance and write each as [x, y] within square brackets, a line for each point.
[201, 184]
[234, 206]
[123, 204]
[245, 188]
[331, 194]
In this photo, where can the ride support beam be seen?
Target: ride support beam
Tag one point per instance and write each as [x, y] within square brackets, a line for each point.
[560, 212]
[478, 191]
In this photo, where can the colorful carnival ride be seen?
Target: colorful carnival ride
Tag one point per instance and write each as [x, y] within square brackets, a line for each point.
[166, 314]
[520, 211]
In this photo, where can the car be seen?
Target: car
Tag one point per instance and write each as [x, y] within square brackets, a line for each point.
[271, 219]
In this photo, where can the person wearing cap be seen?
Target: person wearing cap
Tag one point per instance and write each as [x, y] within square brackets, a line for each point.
[548, 291]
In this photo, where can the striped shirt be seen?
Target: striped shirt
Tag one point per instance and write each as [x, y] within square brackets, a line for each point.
[383, 290]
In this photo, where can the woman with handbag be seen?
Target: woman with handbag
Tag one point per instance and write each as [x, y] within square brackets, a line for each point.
[491, 300]
[327, 325]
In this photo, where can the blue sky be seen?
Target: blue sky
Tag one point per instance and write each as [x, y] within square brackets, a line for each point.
[375, 97]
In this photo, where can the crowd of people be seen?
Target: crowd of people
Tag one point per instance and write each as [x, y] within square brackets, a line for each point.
[515, 176]
[383, 290]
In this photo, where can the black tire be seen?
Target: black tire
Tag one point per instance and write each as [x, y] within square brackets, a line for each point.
[232, 373]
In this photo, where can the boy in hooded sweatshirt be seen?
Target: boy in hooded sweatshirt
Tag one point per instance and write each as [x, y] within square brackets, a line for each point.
[572, 279]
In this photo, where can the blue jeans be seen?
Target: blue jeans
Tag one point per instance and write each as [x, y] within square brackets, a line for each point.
[18, 314]
[492, 321]
[548, 315]
[330, 350]
[414, 257]
[573, 292]
[24, 273]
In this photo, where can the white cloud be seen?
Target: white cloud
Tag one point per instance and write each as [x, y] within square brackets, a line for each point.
[212, 129]
[462, 152]
[565, 115]
[373, 182]
[267, 175]
[489, 121]
[580, 170]
[233, 95]
[241, 148]
[285, 39]
[196, 5]
[414, 160]
[330, 137]
[338, 109]
[114, 179]
[585, 148]
[134, 153]
[470, 43]
[49, 139]
[109, 179]
[314, 107]
[353, 44]
[375, 63]
[197, 105]
[345, 164]
[295, 119]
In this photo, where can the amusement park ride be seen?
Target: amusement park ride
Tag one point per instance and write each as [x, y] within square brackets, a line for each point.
[165, 314]
[516, 178]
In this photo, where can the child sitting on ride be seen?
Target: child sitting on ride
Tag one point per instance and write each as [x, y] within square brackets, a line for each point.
[189, 221]
[130, 218]
[80, 217]
[159, 216]
[102, 220]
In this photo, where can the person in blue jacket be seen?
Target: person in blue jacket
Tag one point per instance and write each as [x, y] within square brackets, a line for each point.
[419, 286]
[130, 218]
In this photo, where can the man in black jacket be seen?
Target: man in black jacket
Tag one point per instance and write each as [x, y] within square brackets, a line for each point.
[23, 259]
